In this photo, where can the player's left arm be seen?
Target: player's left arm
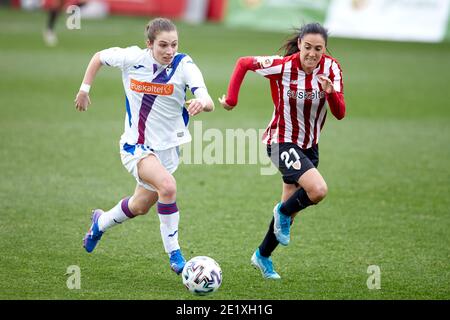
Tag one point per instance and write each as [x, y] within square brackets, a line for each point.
[194, 79]
[334, 91]
[201, 102]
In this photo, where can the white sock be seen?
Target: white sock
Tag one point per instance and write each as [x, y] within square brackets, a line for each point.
[169, 218]
[116, 215]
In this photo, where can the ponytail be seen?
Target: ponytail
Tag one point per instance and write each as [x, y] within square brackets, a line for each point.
[291, 45]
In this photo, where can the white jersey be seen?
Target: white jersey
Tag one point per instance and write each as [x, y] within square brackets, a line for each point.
[155, 96]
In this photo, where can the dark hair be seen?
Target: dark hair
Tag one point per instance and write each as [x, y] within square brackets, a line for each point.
[158, 25]
[291, 45]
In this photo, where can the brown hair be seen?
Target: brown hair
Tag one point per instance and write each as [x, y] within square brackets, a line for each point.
[291, 45]
[158, 25]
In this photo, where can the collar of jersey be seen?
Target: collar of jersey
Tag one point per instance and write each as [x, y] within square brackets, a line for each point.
[158, 65]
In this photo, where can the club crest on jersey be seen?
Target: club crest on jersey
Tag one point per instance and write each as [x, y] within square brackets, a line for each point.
[264, 62]
[160, 89]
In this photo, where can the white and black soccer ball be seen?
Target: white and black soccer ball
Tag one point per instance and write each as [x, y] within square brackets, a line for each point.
[202, 275]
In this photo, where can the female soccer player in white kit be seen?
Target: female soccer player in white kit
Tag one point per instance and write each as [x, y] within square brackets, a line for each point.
[155, 80]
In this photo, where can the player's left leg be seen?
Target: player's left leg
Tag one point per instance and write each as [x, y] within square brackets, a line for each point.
[156, 170]
[313, 189]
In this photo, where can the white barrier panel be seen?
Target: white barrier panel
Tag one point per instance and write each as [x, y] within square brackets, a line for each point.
[400, 20]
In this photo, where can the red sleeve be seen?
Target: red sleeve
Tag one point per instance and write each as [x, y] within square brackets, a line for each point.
[337, 104]
[242, 66]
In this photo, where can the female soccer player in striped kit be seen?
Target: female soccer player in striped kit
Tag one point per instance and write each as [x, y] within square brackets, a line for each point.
[301, 83]
[155, 80]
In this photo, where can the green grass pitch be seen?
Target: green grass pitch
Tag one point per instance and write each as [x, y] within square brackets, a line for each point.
[387, 165]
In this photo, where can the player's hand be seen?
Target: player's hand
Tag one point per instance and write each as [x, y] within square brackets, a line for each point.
[82, 101]
[195, 106]
[224, 103]
[326, 84]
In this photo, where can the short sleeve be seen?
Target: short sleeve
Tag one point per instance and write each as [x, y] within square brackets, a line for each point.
[113, 57]
[268, 66]
[336, 77]
[192, 75]
[120, 57]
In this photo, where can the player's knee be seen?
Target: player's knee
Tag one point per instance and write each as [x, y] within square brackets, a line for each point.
[168, 188]
[140, 207]
[318, 192]
[140, 211]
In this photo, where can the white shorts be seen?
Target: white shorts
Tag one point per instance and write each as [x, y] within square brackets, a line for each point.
[132, 154]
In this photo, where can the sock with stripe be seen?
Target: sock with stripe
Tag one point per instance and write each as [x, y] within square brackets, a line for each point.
[120, 213]
[169, 218]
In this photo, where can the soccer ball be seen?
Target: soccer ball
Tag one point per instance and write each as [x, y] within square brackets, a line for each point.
[202, 275]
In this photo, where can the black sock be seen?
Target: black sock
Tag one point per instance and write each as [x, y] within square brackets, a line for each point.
[298, 201]
[53, 15]
[269, 243]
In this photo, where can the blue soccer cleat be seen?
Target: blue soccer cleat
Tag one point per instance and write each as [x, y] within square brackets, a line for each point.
[94, 234]
[265, 265]
[281, 226]
[177, 261]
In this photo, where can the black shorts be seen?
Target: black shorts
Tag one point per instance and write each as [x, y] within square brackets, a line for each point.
[293, 161]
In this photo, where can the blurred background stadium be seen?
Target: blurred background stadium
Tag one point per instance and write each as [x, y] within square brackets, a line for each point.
[387, 163]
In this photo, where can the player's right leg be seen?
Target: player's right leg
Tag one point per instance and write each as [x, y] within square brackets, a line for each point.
[265, 265]
[152, 172]
[303, 186]
[127, 208]
[262, 255]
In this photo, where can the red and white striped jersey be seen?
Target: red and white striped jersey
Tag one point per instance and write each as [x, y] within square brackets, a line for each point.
[299, 101]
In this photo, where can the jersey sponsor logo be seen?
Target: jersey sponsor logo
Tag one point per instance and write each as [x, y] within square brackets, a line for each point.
[139, 66]
[265, 62]
[160, 89]
[307, 95]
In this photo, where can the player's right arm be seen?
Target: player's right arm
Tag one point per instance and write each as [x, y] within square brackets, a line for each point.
[112, 57]
[82, 100]
[269, 67]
